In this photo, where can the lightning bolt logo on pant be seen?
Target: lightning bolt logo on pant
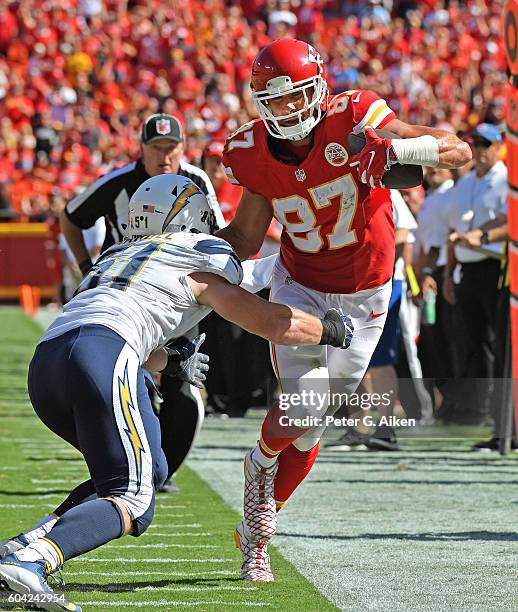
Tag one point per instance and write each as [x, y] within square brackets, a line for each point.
[128, 408]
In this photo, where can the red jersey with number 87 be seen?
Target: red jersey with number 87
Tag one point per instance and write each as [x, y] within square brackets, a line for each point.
[338, 233]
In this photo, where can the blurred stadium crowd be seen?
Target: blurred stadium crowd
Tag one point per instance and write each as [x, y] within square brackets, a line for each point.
[77, 77]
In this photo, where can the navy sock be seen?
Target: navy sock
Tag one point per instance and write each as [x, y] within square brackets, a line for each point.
[86, 527]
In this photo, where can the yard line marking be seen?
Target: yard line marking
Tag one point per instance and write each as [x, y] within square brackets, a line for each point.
[191, 534]
[147, 560]
[194, 589]
[143, 573]
[173, 514]
[184, 525]
[40, 494]
[20, 505]
[168, 603]
[55, 460]
[120, 588]
[164, 546]
[171, 506]
[53, 481]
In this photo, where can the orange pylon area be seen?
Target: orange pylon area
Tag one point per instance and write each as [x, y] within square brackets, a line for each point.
[29, 299]
[510, 36]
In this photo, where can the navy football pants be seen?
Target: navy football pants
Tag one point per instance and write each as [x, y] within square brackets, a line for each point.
[87, 387]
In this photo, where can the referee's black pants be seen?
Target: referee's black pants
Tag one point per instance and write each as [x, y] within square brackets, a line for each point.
[503, 363]
[477, 299]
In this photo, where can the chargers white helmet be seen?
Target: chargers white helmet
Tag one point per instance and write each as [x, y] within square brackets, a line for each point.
[169, 203]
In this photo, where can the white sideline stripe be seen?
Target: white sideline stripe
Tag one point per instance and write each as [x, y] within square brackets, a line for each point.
[143, 573]
[168, 603]
[184, 525]
[140, 560]
[165, 546]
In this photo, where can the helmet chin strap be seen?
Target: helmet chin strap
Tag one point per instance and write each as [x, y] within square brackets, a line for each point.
[300, 130]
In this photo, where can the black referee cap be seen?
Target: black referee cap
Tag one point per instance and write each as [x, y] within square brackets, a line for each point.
[161, 126]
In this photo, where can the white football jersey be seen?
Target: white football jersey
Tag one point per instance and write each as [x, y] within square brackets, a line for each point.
[138, 288]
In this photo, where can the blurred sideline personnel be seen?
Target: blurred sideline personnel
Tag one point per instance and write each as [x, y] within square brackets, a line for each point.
[138, 296]
[182, 410]
[381, 376]
[337, 246]
[241, 374]
[436, 342]
[479, 202]
[94, 238]
[494, 232]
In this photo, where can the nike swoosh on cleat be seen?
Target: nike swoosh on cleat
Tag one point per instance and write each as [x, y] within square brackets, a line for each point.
[375, 315]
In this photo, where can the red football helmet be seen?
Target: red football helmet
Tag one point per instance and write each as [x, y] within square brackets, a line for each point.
[284, 67]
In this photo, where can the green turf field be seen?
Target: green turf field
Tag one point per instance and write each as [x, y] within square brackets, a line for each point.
[185, 559]
[430, 528]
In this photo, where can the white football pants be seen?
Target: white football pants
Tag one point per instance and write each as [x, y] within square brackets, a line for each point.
[319, 376]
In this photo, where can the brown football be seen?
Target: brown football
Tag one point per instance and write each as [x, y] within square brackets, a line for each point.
[400, 176]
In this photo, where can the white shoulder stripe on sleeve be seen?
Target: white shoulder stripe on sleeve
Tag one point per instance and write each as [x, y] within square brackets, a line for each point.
[375, 114]
[76, 202]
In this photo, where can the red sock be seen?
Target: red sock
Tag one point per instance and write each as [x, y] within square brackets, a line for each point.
[294, 466]
[276, 436]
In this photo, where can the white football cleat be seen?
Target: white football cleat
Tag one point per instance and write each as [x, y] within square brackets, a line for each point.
[30, 578]
[256, 560]
[259, 503]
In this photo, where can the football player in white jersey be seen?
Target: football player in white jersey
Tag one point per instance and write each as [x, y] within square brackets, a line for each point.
[86, 379]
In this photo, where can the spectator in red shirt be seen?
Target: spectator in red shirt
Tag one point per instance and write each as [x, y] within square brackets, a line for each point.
[228, 195]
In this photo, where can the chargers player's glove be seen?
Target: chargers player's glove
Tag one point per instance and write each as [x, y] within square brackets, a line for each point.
[337, 329]
[186, 362]
[376, 157]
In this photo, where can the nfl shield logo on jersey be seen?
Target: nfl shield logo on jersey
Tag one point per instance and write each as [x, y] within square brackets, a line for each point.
[163, 126]
[300, 175]
[336, 154]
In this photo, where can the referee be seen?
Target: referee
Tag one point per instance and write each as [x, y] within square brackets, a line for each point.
[478, 204]
[162, 148]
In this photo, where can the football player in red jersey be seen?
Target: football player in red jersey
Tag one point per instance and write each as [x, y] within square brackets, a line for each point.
[337, 250]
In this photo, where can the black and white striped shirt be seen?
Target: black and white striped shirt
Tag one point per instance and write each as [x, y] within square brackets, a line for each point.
[109, 197]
